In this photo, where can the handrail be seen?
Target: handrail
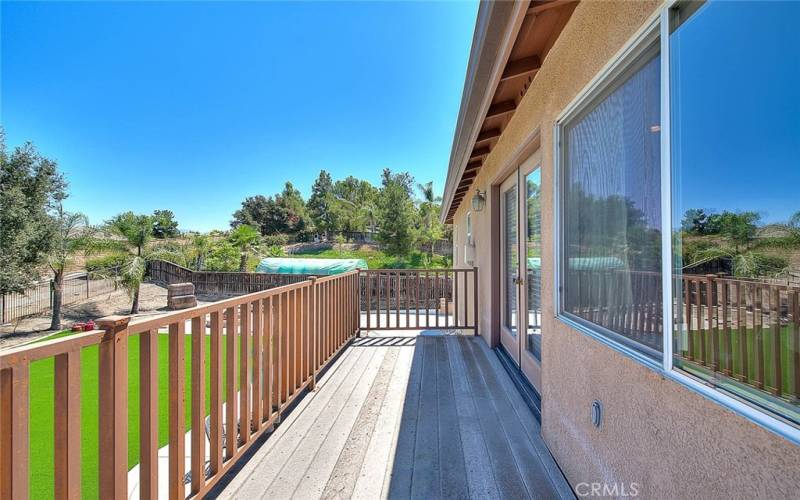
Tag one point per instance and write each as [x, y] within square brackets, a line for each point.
[283, 337]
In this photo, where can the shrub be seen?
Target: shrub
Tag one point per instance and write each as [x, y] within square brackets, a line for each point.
[223, 257]
[273, 240]
[275, 251]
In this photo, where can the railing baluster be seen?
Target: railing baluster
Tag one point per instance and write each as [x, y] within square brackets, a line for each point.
[244, 373]
[215, 436]
[230, 383]
[741, 291]
[14, 422]
[794, 325]
[257, 364]
[759, 337]
[67, 424]
[148, 414]
[198, 402]
[775, 327]
[269, 366]
[177, 410]
[284, 355]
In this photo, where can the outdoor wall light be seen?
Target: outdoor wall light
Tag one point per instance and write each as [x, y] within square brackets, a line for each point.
[479, 200]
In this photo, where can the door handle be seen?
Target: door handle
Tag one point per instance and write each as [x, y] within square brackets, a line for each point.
[518, 281]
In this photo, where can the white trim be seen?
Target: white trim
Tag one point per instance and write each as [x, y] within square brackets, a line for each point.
[666, 196]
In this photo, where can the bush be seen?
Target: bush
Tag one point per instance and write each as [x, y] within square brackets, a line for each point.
[106, 265]
[275, 251]
[276, 240]
[223, 257]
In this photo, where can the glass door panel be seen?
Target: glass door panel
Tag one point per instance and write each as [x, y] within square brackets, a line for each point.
[533, 263]
[510, 259]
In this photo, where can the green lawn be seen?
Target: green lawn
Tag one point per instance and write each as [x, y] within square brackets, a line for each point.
[377, 259]
[786, 350]
[41, 412]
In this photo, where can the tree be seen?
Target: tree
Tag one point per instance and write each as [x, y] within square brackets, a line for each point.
[739, 228]
[285, 213]
[136, 231]
[431, 229]
[164, 224]
[294, 208]
[695, 221]
[396, 213]
[70, 235]
[30, 189]
[354, 204]
[263, 213]
[201, 247]
[246, 239]
[321, 204]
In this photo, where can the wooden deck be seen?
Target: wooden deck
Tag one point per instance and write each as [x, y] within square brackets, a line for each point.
[406, 417]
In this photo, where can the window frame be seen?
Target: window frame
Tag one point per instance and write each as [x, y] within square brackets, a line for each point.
[659, 26]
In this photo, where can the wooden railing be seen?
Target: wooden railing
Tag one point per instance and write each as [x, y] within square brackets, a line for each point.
[283, 337]
[219, 283]
[413, 299]
[744, 329]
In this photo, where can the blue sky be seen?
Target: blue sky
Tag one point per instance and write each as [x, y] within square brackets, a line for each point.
[737, 109]
[194, 106]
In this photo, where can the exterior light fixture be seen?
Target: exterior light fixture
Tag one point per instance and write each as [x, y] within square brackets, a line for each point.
[479, 200]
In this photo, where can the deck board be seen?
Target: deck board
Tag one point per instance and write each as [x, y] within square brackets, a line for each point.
[406, 417]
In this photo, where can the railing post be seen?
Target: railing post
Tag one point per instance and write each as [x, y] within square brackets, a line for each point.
[475, 297]
[358, 303]
[113, 418]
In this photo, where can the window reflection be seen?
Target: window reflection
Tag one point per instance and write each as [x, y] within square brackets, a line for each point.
[533, 250]
[611, 259]
[736, 171]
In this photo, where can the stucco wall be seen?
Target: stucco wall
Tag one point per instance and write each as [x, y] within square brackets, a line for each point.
[671, 441]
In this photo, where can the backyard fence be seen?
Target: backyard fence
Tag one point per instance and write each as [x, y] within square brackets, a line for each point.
[219, 283]
[38, 299]
[264, 349]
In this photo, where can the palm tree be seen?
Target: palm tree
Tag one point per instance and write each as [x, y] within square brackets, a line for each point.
[69, 236]
[246, 239]
[136, 231]
[201, 247]
[429, 208]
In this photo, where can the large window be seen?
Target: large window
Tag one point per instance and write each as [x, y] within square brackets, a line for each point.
[611, 251]
[736, 200]
[722, 125]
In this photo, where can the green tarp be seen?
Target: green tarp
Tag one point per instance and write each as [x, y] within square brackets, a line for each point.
[318, 267]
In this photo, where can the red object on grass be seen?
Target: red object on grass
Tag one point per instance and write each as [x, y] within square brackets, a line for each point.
[89, 326]
[78, 327]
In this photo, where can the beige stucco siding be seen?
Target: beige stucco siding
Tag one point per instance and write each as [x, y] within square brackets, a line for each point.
[671, 441]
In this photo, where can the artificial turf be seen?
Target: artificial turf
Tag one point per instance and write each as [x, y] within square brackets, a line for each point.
[41, 411]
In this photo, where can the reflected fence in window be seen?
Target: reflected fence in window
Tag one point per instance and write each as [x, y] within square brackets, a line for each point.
[744, 329]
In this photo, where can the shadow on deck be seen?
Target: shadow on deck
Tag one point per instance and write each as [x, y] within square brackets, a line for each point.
[406, 417]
